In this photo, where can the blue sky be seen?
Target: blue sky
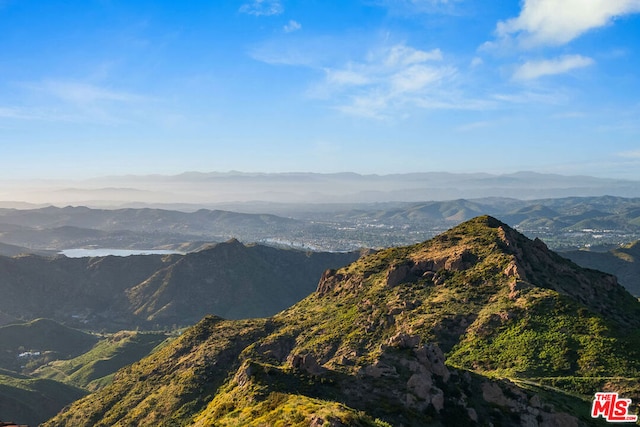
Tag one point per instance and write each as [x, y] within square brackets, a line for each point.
[110, 87]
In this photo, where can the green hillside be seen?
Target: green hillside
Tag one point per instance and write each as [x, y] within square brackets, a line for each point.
[95, 368]
[39, 341]
[479, 325]
[45, 365]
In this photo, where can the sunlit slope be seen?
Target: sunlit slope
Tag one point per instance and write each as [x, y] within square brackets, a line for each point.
[95, 368]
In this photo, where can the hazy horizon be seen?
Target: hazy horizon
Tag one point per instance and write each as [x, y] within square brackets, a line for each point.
[199, 189]
[92, 89]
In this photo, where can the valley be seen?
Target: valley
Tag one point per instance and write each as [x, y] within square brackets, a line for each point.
[565, 224]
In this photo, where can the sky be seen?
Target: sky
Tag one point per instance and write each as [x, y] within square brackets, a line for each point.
[111, 87]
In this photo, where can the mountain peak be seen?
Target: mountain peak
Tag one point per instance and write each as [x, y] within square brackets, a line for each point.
[457, 249]
[484, 249]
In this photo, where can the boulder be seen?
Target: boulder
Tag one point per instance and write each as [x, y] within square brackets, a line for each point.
[420, 385]
[397, 274]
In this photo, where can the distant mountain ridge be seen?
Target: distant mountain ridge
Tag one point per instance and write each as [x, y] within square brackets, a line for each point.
[208, 188]
[410, 336]
[327, 227]
[143, 220]
[53, 228]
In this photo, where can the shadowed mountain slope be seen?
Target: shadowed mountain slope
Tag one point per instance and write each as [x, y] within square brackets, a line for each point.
[24, 346]
[235, 281]
[155, 291]
[29, 401]
[409, 336]
[624, 262]
[13, 250]
[44, 365]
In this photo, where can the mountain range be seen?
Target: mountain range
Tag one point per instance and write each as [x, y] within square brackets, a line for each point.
[72, 227]
[594, 223]
[477, 326]
[567, 223]
[198, 189]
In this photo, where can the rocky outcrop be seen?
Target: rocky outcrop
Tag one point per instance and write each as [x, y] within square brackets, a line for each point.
[534, 264]
[380, 369]
[529, 409]
[421, 389]
[305, 362]
[277, 349]
[416, 269]
[317, 421]
[404, 340]
[397, 274]
[328, 281]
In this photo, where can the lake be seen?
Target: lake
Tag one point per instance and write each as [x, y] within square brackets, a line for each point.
[81, 252]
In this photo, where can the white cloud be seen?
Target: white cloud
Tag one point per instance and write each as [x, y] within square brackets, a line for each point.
[296, 51]
[633, 154]
[400, 55]
[476, 62]
[390, 78]
[555, 97]
[14, 113]
[417, 77]
[72, 101]
[84, 93]
[262, 7]
[569, 115]
[533, 69]
[554, 22]
[390, 81]
[292, 26]
[371, 106]
[346, 77]
[44, 114]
